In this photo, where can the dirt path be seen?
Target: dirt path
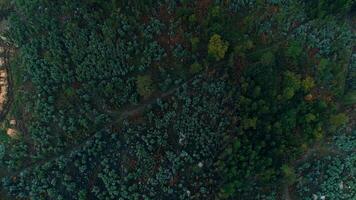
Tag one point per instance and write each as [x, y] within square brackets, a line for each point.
[137, 109]
[5, 79]
[316, 150]
[286, 193]
[321, 149]
[121, 115]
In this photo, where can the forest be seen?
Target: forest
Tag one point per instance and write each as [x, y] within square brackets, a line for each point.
[178, 100]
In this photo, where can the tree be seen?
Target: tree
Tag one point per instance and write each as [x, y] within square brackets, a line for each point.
[289, 174]
[308, 83]
[217, 47]
[294, 50]
[195, 68]
[350, 98]
[321, 8]
[267, 58]
[292, 84]
[194, 42]
[144, 85]
[5, 8]
[338, 120]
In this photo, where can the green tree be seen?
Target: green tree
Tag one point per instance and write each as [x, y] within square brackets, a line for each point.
[294, 50]
[144, 85]
[267, 58]
[350, 98]
[338, 120]
[308, 83]
[217, 47]
[292, 84]
[194, 42]
[195, 67]
[321, 8]
[82, 195]
[289, 174]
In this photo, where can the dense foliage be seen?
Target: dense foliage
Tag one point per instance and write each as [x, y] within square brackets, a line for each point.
[176, 99]
[331, 176]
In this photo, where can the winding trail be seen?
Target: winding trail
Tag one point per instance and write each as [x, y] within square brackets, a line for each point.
[131, 110]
